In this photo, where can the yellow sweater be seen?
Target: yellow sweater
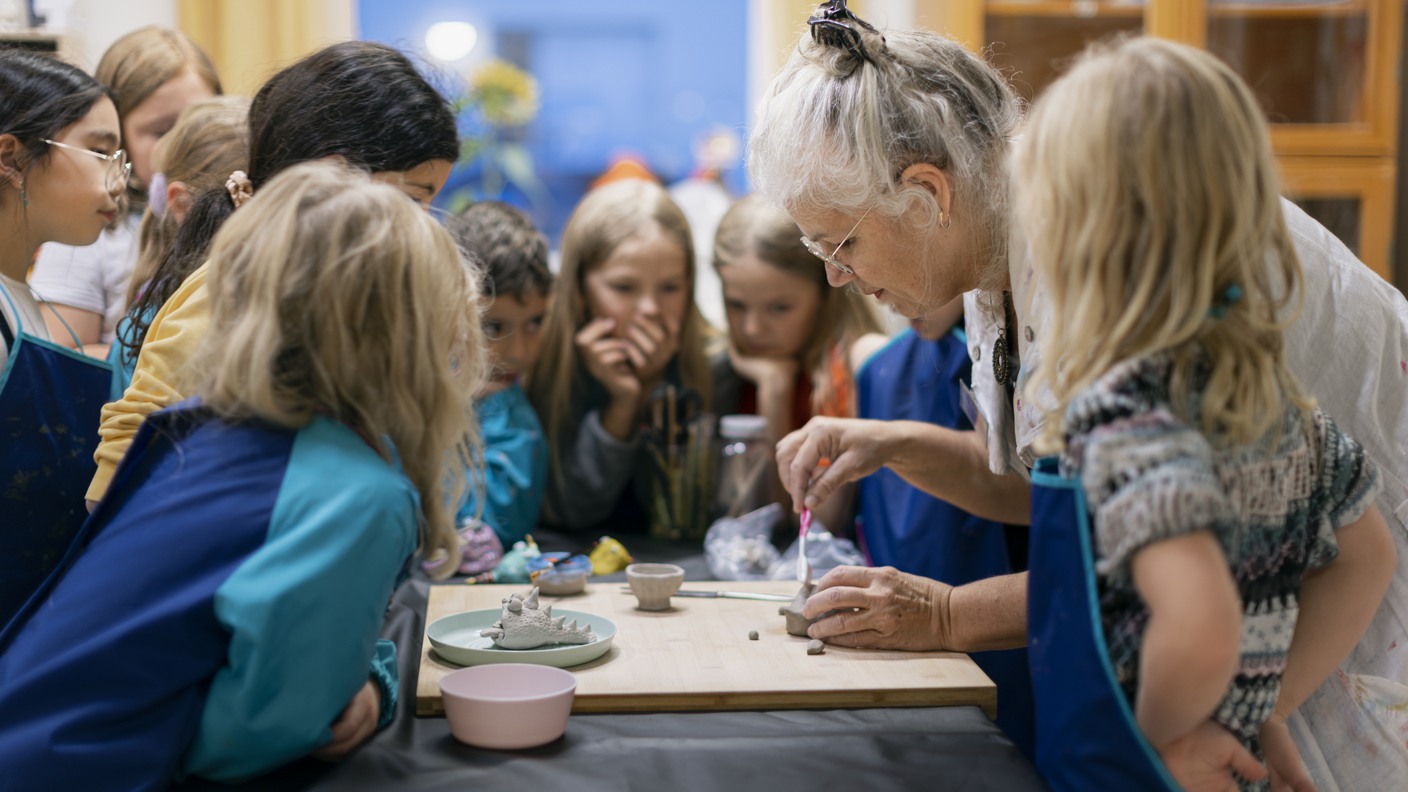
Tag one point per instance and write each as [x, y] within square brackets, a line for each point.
[158, 380]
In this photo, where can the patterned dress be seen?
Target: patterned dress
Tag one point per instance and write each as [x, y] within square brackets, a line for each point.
[1149, 475]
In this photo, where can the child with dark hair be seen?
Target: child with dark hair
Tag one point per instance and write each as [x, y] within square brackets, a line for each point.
[362, 103]
[61, 172]
[513, 258]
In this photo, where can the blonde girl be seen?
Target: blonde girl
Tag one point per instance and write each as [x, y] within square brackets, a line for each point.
[1227, 514]
[153, 74]
[208, 142]
[272, 518]
[794, 343]
[622, 322]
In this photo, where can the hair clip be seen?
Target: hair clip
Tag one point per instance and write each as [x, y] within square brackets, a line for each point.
[834, 25]
[239, 187]
[1230, 297]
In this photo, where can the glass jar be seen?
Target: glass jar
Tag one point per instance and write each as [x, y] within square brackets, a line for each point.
[745, 465]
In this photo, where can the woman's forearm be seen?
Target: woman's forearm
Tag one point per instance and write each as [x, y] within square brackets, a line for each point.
[953, 466]
[985, 615]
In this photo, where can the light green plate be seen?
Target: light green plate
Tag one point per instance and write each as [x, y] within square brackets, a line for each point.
[456, 638]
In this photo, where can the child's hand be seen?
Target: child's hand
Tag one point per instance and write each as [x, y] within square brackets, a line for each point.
[651, 344]
[1288, 773]
[355, 725]
[607, 360]
[763, 371]
[1204, 759]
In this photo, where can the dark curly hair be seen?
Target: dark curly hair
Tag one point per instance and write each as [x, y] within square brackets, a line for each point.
[511, 253]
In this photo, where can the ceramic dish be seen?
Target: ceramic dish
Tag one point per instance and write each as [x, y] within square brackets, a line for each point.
[456, 638]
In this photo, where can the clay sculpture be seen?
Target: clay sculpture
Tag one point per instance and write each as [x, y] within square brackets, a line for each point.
[797, 624]
[522, 625]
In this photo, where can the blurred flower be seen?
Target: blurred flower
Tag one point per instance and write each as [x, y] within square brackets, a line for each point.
[505, 94]
[500, 100]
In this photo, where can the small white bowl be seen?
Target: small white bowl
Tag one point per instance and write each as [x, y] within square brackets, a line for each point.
[654, 584]
[508, 705]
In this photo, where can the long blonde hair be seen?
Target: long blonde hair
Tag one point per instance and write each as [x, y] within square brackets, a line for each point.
[1147, 186]
[336, 295]
[608, 216]
[209, 141]
[757, 226]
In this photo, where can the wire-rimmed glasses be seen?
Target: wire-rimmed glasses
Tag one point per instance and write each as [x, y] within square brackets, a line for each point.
[119, 169]
[830, 259]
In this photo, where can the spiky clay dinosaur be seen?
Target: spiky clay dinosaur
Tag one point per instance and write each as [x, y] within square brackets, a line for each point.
[522, 625]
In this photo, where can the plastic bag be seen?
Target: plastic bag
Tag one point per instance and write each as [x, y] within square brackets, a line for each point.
[825, 550]
[740, 548]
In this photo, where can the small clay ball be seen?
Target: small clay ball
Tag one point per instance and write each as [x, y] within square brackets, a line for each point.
[815, 647]
[752, 635]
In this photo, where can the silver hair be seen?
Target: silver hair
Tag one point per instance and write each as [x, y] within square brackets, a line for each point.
[836, 128]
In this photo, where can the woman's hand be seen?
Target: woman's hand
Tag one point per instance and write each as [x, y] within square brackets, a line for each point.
[1204, 759]
[608, 360]
[355, 725]
[1288, 773]
[855, 447]
[881, 608]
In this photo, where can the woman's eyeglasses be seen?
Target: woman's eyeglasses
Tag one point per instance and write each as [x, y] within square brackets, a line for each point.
[119, 169]
[817, 251]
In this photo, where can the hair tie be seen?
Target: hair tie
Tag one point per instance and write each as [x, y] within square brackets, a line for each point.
[835, 25]
[239, 187]
[1230, 297]
[156, 194]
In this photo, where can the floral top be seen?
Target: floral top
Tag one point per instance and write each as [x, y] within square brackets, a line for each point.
[1149, 475]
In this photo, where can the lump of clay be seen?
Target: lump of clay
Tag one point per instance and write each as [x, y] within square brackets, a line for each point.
[522, 625]
[797, 624]
[815, 647]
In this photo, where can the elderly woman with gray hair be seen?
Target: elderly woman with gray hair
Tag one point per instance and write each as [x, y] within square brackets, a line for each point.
[890, 152]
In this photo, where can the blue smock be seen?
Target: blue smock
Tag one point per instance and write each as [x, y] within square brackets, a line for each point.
[902, 526]
[50, 402]
[1086, 735]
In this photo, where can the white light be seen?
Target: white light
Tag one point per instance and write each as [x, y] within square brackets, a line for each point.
[450, 41]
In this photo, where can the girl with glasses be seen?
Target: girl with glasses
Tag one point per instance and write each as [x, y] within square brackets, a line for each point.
[152, 74]
[60, 179]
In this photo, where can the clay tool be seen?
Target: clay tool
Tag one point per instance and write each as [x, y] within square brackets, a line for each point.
[804, 564]
[744, 595]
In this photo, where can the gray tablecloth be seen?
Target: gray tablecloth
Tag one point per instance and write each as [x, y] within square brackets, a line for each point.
[950, 748]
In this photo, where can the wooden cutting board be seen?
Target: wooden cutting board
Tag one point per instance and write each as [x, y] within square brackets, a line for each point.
[697, 656]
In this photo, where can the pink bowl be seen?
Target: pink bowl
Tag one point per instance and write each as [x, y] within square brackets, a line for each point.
[508, 705]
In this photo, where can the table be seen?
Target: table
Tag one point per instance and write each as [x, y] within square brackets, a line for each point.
[952, 748]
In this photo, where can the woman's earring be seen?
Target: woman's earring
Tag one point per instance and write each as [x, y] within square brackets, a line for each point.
[24, 195]
[944, 220]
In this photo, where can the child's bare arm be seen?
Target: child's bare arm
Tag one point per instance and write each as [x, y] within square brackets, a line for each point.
[1337, 602]
[1192, 642]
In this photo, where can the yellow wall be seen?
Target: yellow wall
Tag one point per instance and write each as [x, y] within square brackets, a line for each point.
[251, 39]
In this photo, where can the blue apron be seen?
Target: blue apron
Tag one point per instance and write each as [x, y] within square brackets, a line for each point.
[50, 402]
[902, 526]
[1086, 737]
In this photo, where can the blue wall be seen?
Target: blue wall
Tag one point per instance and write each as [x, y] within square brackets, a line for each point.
[640, 76]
